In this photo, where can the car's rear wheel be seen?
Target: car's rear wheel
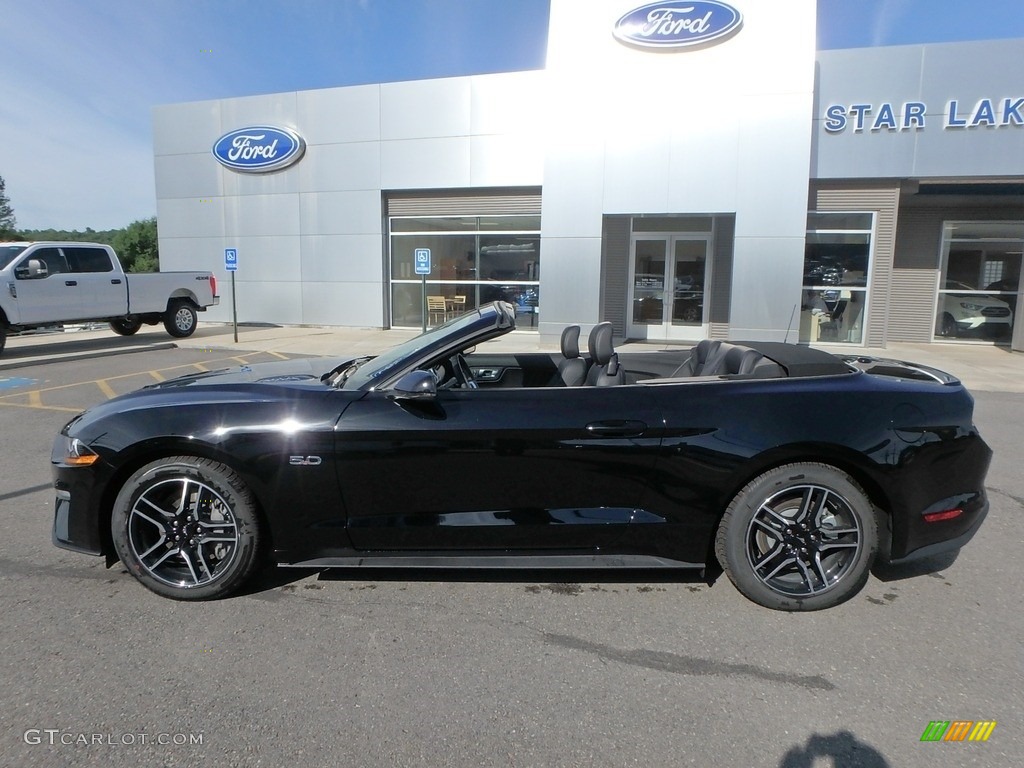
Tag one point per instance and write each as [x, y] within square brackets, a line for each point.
[125, 326]
[187, 528]
[800, 537]
[181, 318]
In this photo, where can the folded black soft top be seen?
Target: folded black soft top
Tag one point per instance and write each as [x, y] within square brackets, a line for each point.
[797, 359]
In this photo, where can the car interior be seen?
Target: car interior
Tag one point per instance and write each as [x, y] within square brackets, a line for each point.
[604, 366]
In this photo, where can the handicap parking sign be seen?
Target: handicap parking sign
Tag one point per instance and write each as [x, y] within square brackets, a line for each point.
[422, 259]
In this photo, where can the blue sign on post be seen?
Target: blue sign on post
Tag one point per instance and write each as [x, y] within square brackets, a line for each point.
[422, 256]
[231, 259]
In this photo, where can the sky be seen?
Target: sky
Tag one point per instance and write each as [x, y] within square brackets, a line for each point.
[80, 77]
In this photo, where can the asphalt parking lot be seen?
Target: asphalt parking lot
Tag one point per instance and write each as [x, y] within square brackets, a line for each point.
[443, 669]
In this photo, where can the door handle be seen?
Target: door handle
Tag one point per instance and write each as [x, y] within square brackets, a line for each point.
[115, 281]
[70, 282]
[617, 428]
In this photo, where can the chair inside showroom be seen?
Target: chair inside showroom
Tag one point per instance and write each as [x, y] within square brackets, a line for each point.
[572, 369]
[605, 370]
[456, 306]
[436, 309]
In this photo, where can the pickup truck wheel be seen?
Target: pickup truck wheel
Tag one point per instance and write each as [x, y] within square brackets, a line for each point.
[125, 326]
[3, 339]
[181, 319]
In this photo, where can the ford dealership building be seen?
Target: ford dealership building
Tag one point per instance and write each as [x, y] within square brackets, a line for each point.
[682, 169]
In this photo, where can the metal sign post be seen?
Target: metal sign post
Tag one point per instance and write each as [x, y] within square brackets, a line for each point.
[231, 265]
[422, 261]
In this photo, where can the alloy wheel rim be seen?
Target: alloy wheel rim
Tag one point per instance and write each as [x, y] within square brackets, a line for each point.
[803, 540]
[183, 319]
[183, 532]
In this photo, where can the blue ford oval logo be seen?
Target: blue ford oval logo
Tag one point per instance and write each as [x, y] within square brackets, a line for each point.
[259, 149]
[677, 24]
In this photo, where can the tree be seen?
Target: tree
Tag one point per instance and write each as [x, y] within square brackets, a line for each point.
[137, 247]
[7, 221]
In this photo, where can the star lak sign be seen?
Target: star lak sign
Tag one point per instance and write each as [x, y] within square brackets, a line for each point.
[676, 24]
[259, 149]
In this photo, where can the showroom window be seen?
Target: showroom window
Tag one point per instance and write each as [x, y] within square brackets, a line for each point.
[474, 260]
[978, 280]
[837, 262]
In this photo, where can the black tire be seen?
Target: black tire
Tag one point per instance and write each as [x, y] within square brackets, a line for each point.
[125, 326]
[800, 537]
[3, 339]
[161, 514]
[947, 327]
[181, 318]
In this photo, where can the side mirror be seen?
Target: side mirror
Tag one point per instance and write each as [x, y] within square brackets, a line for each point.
[33, 269]
[415, 385]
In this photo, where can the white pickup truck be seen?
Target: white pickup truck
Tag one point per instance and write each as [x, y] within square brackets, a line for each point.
[43, 284]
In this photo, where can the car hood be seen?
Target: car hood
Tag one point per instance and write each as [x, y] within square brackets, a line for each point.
[233, 400]
[285, 373]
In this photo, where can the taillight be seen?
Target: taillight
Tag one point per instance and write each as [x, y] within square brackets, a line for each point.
[213, 284]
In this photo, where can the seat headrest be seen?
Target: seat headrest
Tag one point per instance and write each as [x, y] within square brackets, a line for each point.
[600, 345]
[571, 341]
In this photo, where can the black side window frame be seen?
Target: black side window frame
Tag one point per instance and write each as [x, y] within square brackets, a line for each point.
[82, 259]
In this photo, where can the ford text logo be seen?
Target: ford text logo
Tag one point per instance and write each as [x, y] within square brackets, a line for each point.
[676, 24]
[259, 149]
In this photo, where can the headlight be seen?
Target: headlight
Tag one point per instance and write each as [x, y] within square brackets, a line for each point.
[77, 453]
[972, 307]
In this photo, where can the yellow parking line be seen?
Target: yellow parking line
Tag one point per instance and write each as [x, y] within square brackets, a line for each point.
[201, 367]
[105, 389]
[35, 398]
[156, 375]
[41, 407]
[240, 360]
[277, 354]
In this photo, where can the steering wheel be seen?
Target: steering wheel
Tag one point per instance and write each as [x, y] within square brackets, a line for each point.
[463, 372]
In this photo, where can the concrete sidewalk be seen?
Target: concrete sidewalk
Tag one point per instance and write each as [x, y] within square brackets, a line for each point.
[981, 367]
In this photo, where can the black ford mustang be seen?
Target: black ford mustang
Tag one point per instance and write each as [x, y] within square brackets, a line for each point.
[792, 468]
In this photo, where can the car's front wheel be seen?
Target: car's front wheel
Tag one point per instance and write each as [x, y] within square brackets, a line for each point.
[800, 537]
[947, 327]
[187, 528]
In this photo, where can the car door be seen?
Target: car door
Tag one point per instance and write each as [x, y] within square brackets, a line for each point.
[102, 289]
[49, 298]
[497, 468]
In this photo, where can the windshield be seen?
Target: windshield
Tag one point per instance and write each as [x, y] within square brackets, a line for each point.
[9, 253]
[461, 327]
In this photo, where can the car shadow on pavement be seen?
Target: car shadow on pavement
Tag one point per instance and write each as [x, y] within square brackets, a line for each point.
[570, 577]
[926, 566]
[270, 578]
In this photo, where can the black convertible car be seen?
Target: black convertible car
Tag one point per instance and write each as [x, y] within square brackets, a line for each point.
[792, 468]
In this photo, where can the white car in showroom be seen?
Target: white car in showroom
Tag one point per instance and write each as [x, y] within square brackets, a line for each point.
[971, 313]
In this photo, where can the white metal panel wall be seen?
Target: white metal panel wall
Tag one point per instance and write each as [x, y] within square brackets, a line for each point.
[310, 236]
[721, 129]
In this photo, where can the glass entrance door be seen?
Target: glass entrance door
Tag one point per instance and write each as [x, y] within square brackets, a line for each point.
[669, 278]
